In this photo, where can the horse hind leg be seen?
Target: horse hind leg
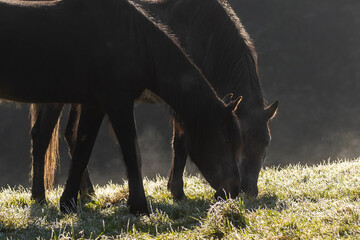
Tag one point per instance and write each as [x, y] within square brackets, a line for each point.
[86, 186]
[44, 119]
[176, 183]
[72, 125]
[89, 123]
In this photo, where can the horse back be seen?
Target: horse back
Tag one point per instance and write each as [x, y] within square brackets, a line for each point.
[41, 47]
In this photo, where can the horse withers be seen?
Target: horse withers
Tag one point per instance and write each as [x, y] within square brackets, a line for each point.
[103, 54]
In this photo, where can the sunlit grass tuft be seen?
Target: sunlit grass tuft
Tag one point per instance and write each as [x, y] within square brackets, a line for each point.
[295, 202]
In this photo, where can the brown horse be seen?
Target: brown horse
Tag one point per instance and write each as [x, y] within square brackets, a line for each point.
[103, 54]
[214, 37]
[216, 40]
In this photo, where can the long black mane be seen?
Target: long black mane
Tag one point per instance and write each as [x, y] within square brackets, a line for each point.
[228, 58]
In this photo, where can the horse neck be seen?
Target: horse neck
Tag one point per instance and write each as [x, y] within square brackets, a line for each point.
[177, 80]
[190, 98]
[228, 59]
[182, 86]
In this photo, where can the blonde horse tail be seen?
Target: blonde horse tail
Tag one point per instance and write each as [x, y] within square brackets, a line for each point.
[51, 159]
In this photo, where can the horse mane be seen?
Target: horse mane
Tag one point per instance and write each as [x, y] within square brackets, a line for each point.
[243, 33]
[38, 3]
[253, 62]
[164, 28]
[230, 54]
[234, 48]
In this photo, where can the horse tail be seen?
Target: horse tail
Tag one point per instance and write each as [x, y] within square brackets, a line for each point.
[52, 158]
[34, 112]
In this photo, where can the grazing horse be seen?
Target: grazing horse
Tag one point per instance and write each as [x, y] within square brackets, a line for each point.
[103, 54]
[216, 40]
[214, 37]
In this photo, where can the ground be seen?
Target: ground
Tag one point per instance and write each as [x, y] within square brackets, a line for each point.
[295, 202]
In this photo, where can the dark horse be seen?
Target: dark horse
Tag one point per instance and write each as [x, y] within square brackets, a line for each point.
[215, 38]
[103, 54]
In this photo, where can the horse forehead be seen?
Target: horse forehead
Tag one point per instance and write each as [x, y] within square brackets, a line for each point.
[255, 126]
[252, 119]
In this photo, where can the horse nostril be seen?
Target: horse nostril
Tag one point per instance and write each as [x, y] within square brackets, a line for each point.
[250, 190]
[235, 192]
[224, 195]
[220, 195]
[254, 192]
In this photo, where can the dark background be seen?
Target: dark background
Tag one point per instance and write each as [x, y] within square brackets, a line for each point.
[309, 60]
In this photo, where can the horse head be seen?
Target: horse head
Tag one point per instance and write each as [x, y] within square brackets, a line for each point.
[215, 148]
[256, 139]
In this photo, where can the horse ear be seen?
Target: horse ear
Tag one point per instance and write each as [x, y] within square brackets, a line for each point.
[233, 105]
[227, 98]
[271, 111]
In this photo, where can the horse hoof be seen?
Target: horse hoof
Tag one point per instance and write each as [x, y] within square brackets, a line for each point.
[178, 196]
[177, 190]
[251, 190]
[87, 194]
[138, 207]
[139, 210]
[85, 197]
[39, 199]
[67, 206]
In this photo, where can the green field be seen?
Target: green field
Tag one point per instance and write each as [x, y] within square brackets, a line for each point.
[295, 202]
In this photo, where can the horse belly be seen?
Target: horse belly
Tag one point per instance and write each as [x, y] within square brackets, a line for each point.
[25, 86]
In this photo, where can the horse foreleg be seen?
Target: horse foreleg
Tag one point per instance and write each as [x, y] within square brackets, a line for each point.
[122, 120]
[176, 183]
[88, 127]
[86, 187]
[41, 133]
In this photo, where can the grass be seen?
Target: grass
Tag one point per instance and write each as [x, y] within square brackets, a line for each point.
[295, 202]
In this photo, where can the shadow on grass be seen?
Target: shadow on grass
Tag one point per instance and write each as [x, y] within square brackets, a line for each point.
[94, 219]
[31, 225]
[111, 219]
[268, 201]
[39, 209]
[165, 216]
